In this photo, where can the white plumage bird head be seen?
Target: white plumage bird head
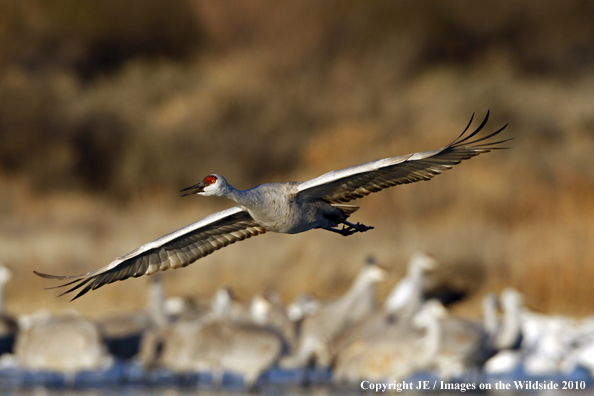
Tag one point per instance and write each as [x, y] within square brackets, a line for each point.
[212, 184]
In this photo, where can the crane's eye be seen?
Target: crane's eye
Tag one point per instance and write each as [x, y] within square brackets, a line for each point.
[210, 180]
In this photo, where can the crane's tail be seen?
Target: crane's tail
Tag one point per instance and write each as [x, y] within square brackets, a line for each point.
[347, 209]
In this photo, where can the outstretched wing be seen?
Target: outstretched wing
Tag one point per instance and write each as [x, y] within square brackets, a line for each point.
[358, 181]
[175, 250]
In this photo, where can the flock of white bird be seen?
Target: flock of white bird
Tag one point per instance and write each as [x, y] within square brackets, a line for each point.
[354, 337]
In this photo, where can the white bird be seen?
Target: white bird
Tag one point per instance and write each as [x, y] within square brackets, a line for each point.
[466, 345]
[407, 297]
[303, 306]
[289, 208]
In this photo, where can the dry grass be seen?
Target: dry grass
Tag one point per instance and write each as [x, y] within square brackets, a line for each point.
[90, 159]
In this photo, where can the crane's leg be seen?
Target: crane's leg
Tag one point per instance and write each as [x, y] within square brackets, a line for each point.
[349, 228]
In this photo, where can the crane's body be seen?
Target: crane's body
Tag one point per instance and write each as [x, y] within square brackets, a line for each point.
[278, 207]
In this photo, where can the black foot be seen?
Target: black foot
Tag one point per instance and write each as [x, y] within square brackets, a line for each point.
[349, 228]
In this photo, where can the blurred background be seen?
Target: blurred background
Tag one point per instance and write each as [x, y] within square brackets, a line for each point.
[108, 108]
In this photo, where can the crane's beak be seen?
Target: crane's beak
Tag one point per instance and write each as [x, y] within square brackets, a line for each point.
[195, 189]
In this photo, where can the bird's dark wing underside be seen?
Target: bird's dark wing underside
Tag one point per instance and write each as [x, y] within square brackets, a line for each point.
[358, 181]
[175, 250]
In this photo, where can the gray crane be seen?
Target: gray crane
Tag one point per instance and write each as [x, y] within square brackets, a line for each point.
[289, 208]
[319, 330]
[395, 351]
[65, 342]
[8, 324]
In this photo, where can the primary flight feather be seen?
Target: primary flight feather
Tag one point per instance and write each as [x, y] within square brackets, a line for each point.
[289, 208]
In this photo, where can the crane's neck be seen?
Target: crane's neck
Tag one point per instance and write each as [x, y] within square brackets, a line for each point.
[490, 320]
[407, 297]
[156, 302]
[242, 197]
[3, 280]
[245, 198]
[363, 288]
[510, 332]
[431, 341]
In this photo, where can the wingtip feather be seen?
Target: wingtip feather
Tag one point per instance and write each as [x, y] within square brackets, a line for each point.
[48, 276]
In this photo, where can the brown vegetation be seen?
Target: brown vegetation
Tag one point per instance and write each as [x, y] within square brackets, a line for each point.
[108, 108]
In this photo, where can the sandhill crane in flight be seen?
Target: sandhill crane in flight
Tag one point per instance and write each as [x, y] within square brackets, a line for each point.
[289, 208]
